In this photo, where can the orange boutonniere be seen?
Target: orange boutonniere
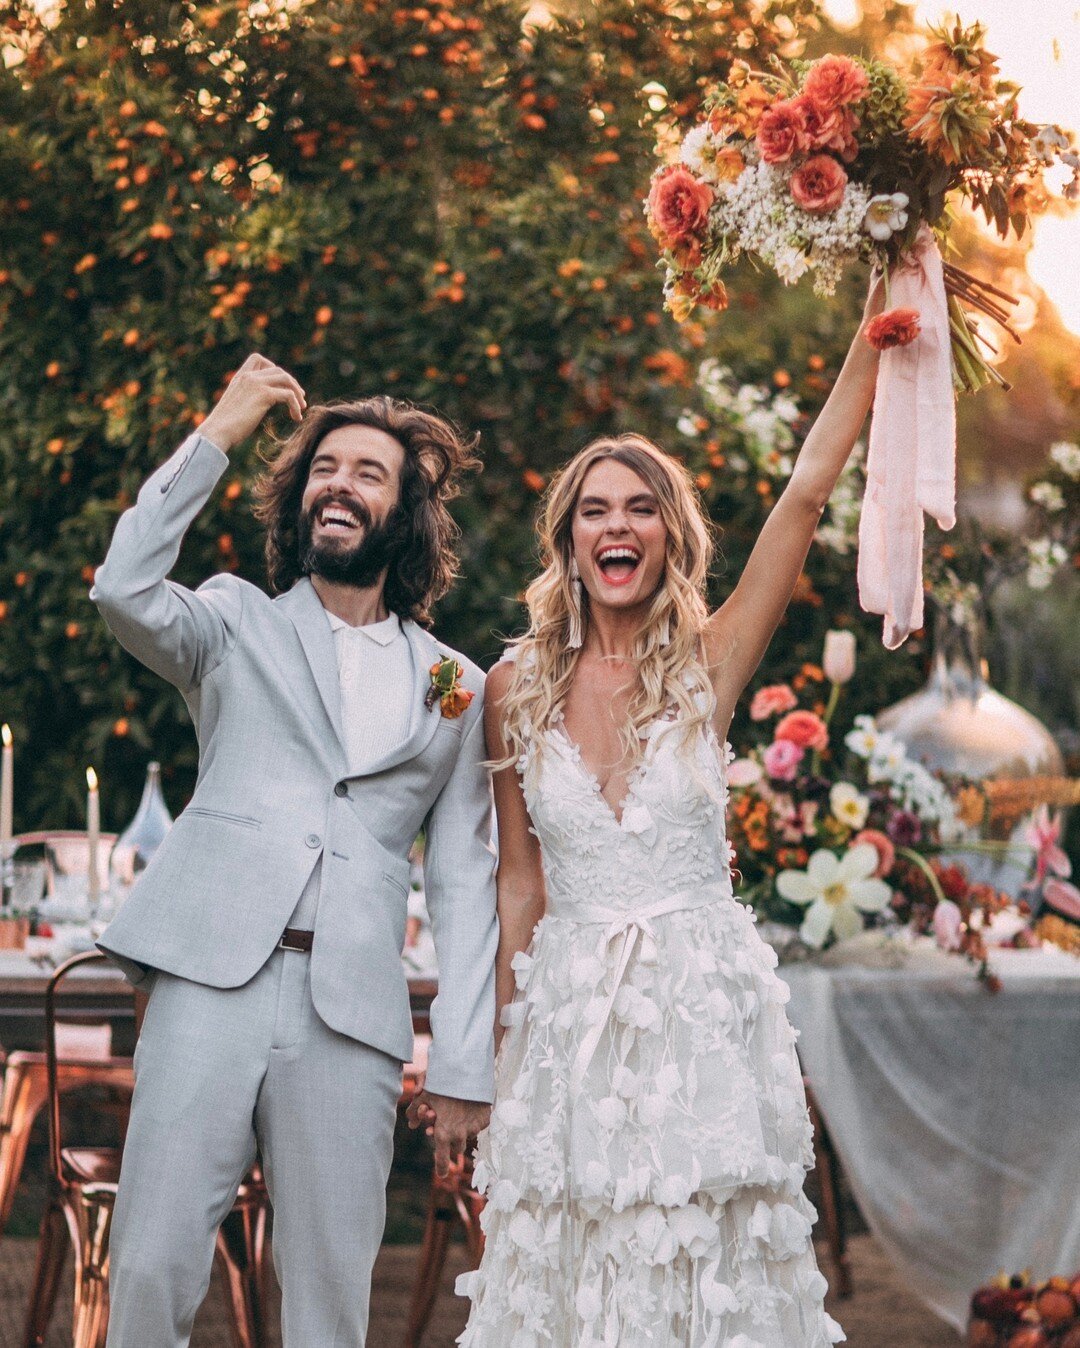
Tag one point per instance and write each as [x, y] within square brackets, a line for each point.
[446, 688]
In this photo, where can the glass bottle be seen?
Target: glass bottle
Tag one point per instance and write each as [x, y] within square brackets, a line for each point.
[140, 840]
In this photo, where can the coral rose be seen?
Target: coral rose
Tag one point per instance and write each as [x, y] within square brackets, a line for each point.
[818, 187]
[679, 205]
[835, 81]
[804, 729]
[897, 327]
[782, 131]
[772, 700]
[830, 129]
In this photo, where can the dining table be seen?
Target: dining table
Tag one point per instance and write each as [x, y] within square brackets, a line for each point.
[954, 1108]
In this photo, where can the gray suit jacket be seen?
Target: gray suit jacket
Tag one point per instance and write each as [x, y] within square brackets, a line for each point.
[275, 793]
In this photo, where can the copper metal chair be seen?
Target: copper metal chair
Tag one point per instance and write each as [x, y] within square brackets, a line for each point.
[451, 1201]
[828, 1170]
[82, 1190]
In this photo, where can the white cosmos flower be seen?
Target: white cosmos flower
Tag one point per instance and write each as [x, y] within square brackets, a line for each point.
[835, 892]
[885, 214]
[849, 805]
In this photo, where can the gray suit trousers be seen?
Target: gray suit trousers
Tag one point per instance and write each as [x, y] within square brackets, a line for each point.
[217, 1072]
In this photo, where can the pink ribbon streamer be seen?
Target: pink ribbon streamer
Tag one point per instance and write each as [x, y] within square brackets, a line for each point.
[911, 464]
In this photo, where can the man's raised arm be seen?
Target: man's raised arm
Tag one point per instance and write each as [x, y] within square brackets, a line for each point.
[179, 633]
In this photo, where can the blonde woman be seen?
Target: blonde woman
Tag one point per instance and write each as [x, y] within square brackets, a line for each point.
[646, 1153]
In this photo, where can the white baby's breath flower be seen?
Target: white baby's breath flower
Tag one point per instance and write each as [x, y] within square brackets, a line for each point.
[1045, 557]
[1048, 495]
[885, 214]
[1067, 458]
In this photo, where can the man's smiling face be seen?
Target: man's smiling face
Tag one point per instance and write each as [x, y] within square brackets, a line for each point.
[348, 508]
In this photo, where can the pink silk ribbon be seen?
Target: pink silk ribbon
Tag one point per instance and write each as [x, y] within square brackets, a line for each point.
[911, 464]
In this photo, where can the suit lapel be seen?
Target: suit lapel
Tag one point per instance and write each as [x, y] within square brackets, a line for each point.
[308, 616]
[424, 721]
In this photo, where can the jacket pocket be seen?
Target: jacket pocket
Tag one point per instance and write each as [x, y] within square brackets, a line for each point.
[243, 820]
[396, 882]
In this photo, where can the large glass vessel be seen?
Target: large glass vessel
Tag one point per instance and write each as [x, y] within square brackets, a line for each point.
[141, 839]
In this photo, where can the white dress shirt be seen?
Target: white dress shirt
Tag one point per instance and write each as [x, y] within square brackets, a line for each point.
[375, 667]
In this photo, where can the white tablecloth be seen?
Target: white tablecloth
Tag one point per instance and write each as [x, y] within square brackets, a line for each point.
[955, 1112]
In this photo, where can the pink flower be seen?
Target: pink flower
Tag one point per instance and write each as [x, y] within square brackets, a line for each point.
[1063, 898]
[804, 729]
[897, 327]
[772, 700]
[679, 206]
[782, 131]
[830, 129]
[1043, 834]
[818, 187]
[885, 850]
[948, 922]
[782, 759]
[835, 81]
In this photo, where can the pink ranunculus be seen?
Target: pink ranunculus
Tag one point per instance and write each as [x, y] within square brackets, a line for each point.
[772, 700]
[818, 187]
[830, 129]
[948, 924]
[782, 131]
[679, 205]
[804, 729]
[782, 759]
[885, 849]
[835, 81]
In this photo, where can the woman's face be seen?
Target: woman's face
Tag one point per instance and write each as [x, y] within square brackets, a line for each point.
[619, 536]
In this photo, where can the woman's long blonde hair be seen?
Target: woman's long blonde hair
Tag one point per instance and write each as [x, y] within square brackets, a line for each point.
[670, 670]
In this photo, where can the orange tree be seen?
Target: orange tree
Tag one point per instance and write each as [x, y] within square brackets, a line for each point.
[435, 201]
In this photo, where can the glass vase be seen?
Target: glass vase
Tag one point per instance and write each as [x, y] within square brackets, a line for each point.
[134, 847]
[957, 723]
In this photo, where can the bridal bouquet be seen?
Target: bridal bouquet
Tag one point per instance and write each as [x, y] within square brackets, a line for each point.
[815, 166]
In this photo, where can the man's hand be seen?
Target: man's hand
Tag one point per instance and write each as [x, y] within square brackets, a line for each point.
[450, 1122]
[256, 387]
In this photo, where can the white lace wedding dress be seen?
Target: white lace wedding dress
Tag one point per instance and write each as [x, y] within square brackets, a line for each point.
[646, 1154]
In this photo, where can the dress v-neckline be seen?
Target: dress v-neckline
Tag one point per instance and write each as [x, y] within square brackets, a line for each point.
[633, 777]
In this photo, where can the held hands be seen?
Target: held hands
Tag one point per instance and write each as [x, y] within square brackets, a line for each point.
[449, 1122]
[256, 387]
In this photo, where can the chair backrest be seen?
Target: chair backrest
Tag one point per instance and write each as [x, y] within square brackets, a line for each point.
[52, 1056]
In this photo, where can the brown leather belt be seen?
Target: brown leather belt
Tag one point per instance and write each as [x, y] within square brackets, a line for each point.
[296, 938]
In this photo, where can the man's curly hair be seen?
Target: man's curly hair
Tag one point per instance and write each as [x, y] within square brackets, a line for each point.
[436, 454]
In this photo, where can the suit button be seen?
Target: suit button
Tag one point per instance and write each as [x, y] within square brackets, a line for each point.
[313, 840]
[341, 789]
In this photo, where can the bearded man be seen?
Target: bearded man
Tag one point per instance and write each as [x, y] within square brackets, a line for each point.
[268, 928]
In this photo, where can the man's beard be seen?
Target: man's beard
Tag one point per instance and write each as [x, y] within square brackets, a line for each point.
[361, 565]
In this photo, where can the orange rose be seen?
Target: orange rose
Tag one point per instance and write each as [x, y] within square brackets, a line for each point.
[782, 131]
[679, 206]
[804, 729]
[897, 327]
[453, 704]
[835, 81]
[818, 187]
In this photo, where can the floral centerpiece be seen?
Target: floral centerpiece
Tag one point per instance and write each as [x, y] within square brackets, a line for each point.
[832, 837]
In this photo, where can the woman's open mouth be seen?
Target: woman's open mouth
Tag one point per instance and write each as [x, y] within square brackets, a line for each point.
[618, 565]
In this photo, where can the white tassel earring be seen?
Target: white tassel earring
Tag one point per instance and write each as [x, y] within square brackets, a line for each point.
[576, 635]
